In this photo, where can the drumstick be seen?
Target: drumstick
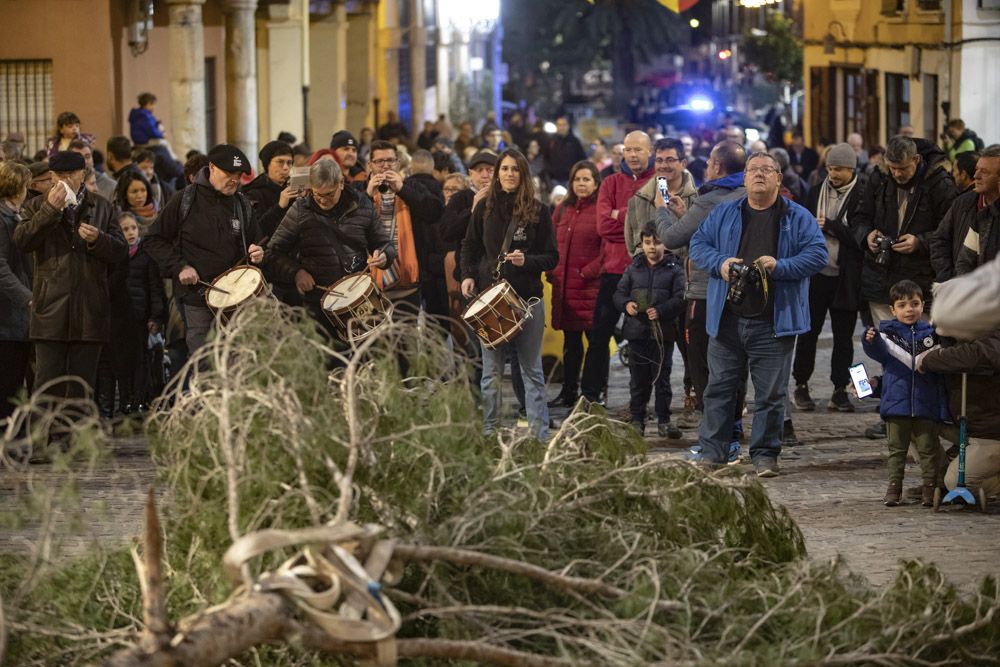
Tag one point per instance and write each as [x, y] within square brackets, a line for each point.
[211, 286]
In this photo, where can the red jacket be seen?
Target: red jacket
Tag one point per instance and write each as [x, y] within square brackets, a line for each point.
[576, 279]
[615, 192]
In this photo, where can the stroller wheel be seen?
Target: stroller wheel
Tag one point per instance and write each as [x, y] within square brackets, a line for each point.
[937, 499]
[981, 497]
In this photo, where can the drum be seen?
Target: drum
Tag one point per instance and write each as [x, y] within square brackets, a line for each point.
[497, 315]
[233, 288]
[356, 307]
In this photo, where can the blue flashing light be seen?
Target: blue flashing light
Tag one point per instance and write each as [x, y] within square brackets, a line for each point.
[700, 103]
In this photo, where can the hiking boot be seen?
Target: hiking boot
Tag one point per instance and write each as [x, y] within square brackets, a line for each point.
[788, 438]
[927, 494]
[876, 432]
[562, 401]
[766, 467]
[802, 400]
[840, 401]
[893, 494]
[668, 430]
[640, 426]
[691, 419]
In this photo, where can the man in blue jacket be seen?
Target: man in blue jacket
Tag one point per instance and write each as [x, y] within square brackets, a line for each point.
[753, 320]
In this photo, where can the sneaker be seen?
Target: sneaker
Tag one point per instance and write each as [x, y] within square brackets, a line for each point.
[639, 426]
[699, 459]
[840, 402]
[876, 432]
[927, 494]
[735, 453]
[668, 430]
[562, 401]
[690, 420]
[892, 494]
[766, 467]
[788, 438]
[802, 400]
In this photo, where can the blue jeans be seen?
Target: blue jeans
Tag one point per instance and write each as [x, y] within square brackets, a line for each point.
[528, 345]
[742, 342]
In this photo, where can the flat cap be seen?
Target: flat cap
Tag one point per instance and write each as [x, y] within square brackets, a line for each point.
[67, 161]
[230, 159]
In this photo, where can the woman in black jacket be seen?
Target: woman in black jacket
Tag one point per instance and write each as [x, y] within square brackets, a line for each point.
[510, 206]
[15, 287]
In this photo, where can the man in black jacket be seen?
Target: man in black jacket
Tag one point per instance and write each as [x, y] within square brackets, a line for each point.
[982, 238]
[326, 235]
[837, 286]
[562, 151]
[204, 233]
[433, 288]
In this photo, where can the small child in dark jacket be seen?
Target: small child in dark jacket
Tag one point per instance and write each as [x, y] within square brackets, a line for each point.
[913, 402]
[651, 294]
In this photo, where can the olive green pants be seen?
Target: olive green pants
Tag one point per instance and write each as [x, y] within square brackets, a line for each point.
[924, 434]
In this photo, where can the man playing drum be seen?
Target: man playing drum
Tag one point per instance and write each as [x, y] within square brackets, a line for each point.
[202, 232]
[326, 235]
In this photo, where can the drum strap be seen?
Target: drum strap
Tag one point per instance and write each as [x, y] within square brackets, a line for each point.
[508, 237]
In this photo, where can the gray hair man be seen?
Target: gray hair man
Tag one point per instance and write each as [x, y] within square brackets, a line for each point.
[981, 215]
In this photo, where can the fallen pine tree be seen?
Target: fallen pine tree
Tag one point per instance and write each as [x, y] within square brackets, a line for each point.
[501, 551]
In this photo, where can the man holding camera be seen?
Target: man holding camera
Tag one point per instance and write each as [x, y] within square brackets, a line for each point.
[760, 251]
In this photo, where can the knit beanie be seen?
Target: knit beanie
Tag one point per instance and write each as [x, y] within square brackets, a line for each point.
[271, 150]
[842, 155]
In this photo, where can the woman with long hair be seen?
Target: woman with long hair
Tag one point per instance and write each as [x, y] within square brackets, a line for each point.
[509, 210]
[134, 195]
[577, 277]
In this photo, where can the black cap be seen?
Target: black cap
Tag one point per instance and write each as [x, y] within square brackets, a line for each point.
[67, 161]
[230, 159]
[341, 139]
[39, 168]
[273, 149]
[483, 157]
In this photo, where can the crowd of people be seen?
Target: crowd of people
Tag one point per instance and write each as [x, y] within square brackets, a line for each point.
[736, 254]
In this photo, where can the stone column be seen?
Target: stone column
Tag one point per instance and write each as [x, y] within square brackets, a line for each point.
[241, 75]
[361, 83]
[418, 66]
[328, 92]
[187, 76]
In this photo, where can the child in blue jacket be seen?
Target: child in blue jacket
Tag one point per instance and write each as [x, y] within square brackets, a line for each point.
[913, 403]
[651, 294]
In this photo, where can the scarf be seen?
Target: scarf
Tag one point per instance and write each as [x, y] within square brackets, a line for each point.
[831, 201]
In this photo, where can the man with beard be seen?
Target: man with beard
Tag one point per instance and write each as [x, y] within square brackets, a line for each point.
[670, 163]
[981, 242]
[836, 287]
[345, 147]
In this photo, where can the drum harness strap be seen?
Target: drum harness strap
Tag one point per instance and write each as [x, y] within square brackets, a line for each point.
[502, 257]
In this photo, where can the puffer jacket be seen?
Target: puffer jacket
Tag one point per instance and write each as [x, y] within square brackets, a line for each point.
[660, 286]
[642, 209]
[71, 301]
[576, 279]
[932, 194]
[327, 244]
[15, 280]
[676, 234]
[616, 191]
[980, 360]
[906, 392]
[146, 297]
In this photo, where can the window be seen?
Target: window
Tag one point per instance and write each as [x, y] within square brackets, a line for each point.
[929, 5]
[897, 103]
[26, 101]
[930, 107]
[893, 7]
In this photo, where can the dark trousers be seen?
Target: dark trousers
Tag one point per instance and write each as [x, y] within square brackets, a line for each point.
[595, 365]
[55, 359]
[697, 348]
[649, 367]
[15, 357]
[572, 362]
[822, 290]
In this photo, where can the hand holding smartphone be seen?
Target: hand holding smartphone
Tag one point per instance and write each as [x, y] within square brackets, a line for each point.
[862, 386]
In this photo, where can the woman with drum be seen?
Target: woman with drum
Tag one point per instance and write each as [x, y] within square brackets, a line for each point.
[326, 235]
[576, 279]
[510, 238]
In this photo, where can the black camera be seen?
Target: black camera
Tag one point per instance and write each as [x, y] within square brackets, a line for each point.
[741, 277]
[383, 188]
[884, 252]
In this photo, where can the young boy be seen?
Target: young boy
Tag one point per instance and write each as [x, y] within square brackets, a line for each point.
[913, 402]
[651, 294]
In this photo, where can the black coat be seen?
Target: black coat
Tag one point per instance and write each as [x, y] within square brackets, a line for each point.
[71, 301]
[806, 162]
[15, 281]
[660, 287]
[985, 230]
[326, 244]
[425, 199]
[264, 195]
[561, 154]
[209, 238]
[146, 297]
[947, 240]
[932, 194]
[849, 255]
[454, 224]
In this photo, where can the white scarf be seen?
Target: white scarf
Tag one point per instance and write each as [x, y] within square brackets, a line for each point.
[831, 200]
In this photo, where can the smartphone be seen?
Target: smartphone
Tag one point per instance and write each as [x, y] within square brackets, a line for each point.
[861, 384]
[661, 183]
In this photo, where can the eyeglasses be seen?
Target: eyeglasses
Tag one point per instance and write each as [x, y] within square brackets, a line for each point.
[453, 190]
[326, 196]
[387, 162]
[767, 171]
[667, 160]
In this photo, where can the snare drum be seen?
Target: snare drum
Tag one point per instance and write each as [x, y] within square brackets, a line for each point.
[356, 307]
[242, 283]
[497, 315]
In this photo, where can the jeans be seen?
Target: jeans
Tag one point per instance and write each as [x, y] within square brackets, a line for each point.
[528, 345]
[742, 342]
[572, 362]
[649, 367]
[697, 347]
[822, 290]
[596, 364]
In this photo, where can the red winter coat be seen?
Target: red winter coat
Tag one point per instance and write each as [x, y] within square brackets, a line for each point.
[576, 279]
[614, 195]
